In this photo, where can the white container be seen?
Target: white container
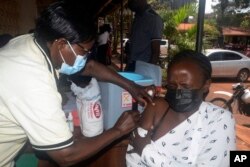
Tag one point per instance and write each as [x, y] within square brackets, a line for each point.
[115, 100]
[149, 70]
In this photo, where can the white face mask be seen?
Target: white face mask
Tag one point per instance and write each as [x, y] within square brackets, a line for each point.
[78, 65]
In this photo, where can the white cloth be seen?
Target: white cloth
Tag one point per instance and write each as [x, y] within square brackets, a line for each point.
[103, 38]
[204, 139]
[30, 106]
[89, 108]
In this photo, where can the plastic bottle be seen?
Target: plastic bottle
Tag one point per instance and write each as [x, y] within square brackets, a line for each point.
[70, 122]
[89, 108]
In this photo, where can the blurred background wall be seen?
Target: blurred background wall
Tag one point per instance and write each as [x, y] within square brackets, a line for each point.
[18, 16]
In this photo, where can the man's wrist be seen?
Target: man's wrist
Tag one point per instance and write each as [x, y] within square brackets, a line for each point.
[116, 132]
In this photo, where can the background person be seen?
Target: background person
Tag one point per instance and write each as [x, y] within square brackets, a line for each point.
[145, 35]
[103, 50]
[32, 109]
[182, 129]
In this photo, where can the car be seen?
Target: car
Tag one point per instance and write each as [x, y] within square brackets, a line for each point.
[164, 47]
[229, 64]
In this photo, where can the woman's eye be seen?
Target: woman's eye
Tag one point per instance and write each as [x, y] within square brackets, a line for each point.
[178, 87]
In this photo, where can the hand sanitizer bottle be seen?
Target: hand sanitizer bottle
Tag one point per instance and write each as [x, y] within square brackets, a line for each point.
[70, 122]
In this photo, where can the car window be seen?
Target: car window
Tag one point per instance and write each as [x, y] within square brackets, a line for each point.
[215, 56]
[231, 56]
[163, 43]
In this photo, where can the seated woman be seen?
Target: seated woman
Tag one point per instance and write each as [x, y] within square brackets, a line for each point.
[182, 129]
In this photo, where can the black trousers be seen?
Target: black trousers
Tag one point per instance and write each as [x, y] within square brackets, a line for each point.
[102, 55]
[130, 67]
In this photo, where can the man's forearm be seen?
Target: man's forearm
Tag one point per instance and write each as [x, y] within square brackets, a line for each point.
[102, 73]
[83, 148]
[155, 47]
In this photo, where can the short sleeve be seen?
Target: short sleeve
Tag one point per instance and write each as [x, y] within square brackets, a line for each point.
[157, 29]
[36, 107]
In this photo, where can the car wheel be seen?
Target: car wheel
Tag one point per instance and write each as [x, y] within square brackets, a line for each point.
[243, 75]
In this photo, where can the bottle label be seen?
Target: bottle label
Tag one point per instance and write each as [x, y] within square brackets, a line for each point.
[97, 110]
[94, 111]
[126, 99]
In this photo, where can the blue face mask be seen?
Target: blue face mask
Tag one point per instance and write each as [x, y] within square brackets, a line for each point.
[78, 65]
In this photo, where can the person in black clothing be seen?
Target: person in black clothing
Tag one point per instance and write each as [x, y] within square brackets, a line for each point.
[103, 50]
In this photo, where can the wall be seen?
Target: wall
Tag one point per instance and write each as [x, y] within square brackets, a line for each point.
[27, 15]
[18, 16]
[9, 16]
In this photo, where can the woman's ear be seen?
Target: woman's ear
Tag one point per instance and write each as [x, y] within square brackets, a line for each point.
[207, 84]
[206, 88]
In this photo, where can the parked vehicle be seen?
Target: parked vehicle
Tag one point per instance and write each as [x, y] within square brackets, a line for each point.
[241, 95]
[163, 51]
[229, 64]
[164, 47]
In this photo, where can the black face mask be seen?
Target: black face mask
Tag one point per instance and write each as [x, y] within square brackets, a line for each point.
[184, 100]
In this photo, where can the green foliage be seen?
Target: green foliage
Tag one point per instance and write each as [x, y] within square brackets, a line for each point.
[245, 22]
[182, 13]
[164, 76]
[226, 15]
[152, 1]
[169, 24]
[242, 3]
[172, 18]
[187, 39]
[211, 35]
